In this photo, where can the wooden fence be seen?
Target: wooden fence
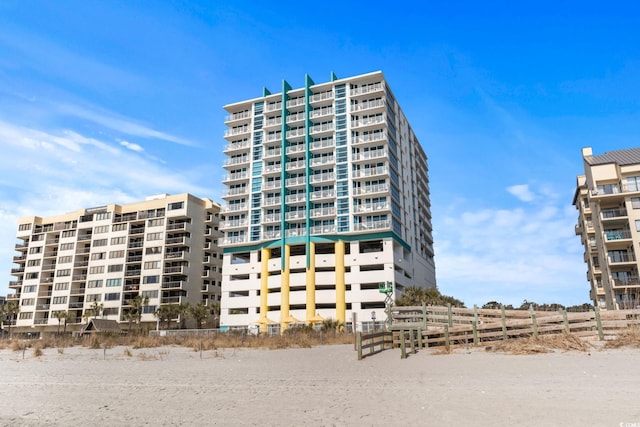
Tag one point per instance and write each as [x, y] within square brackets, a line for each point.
[432, 326]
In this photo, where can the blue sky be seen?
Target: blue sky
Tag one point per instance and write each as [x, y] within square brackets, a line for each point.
[110, 101]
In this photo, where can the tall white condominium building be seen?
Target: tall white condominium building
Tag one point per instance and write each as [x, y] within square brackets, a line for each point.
[608, 200]
[164, 248]
[327, 197]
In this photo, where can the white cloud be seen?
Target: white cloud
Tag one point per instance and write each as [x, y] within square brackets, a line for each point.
[511, 254]
[49, 173]
[522, 192]
[132, 146]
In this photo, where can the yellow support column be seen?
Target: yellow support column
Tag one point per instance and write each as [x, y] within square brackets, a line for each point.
[264, 289]
[341, 288]
[311, 283]
[284, 291]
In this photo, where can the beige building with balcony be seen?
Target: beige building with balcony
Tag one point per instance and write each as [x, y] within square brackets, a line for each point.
[163, 248]
[608, 201]
[327, 197]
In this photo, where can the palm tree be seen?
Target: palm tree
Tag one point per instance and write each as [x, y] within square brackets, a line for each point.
[137, 304]
[167, 313]
[9, 311]
[183, 311]
[199, 313]
[96, 308]
[60, 315]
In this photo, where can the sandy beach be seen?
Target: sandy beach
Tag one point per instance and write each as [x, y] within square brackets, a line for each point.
[321, 386]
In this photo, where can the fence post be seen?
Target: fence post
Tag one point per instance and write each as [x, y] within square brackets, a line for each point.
[403, 345]
[475, 333]
[449, 314]
[534, 323]
[354, 323]
[599, 323]
[424, 315]
[359, 344]
[504, 322]
[413, 340]
[446, 337]
[565, 320]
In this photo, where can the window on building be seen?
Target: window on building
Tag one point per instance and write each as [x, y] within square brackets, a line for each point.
[150, 265]
[154, 236]
[36, 250]
[151, 279]
[59, 300]
[66, 246]
[119, 227]
[114, 268]
[24, 227]
[65, 259]
[101, 229]
[113, 283]
[96, 270]
[154, 250]
[33, 263]
[102, 216]
[68, 233]
[116, 254]
[94, 284]
[174, 206]
[63, 272]
[119, 240]
[100, 242]
[98, 255]
[112, 296]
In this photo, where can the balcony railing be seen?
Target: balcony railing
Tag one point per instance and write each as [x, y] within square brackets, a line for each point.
[322, 212]
[322, 96]
[234, 223]
[177, 226]
[236, 176]
[273, 106]
[275, 121]
[295, 102]
[296, 165]
[319, 112]
[320, 177]
[370, 137]
[234, 207]
[273, 168]
[322, 160]
[372, 207]
[295, 117]
[622, 257]
[238, 116]
[323, 127]
[295, 215]
[375, 103]
[296, 232]
[323, 229]
[271, 234]
[181, 269]
[372, 225]
[367, 172]
[274, 152]
[613, 213]
[324, 194]
[236, 160]
[617, 235]
[323, 143]
[369, 189]
[367, 155]
[175, 255]
[299, 197]
[296, 133]
[366, 89]
[300, 180]
[273, 137]
[237, 131]
[233, 240]
[271, 218]
[297, 148]
[630, 282]
[173, 284]
[237, 146]
[268, 185]
[272, 201]
[238, 191]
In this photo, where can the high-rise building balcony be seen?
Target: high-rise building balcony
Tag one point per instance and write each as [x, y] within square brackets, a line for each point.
[613, 213]
[273, 137]
[325, 144]
[292, 232]
[275, 168]
[272, 122]
[236, 176]
[369, 172]
[322, 161]
[372, 225]
[322, 212]
[371, 189]
[323, 229]
[372, 207]
[272, 234]
[368, 121]
[236, 223]
[298, 214]
[274, 106]
[322, 177]
[297, 181]
[368, 105]
[272, 201]
[235, 207]
[322, 96]
[372, 137]
[234, 161]
[235, 131]
[242, 115]
[232, 192]
[231, 240]
[182, 240]
[272, 152]
[369, 155]
[321, 112]
[295, 117]
[297, 148]
[296, 102]
[271, 218]
[300, 164]
[237, 146]
[321, 128]
[294, 198]
[366, 89]
[296, 133]
[323, 194]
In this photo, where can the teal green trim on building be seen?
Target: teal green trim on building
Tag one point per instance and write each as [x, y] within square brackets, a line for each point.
[319, 239]
[333, 77]
[265, 91]
[283, 173]
[307, 164]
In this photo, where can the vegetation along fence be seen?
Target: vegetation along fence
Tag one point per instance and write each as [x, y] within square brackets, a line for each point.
[433, 326]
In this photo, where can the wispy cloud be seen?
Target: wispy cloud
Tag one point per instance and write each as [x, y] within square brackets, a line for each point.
[119, 123]
[522, 192]
[132, 146]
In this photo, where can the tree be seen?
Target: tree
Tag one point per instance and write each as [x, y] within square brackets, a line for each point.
[199, 313]
[61, 315]
[9, 311]
[416, 295]
[138, 303]
[214, 308]
[167, 313]
[96, 309]
[183, 312]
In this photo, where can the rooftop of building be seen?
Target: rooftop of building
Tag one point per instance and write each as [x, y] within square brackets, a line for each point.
[630, 156]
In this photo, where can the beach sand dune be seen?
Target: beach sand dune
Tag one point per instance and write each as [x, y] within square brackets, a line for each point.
[322, 386]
